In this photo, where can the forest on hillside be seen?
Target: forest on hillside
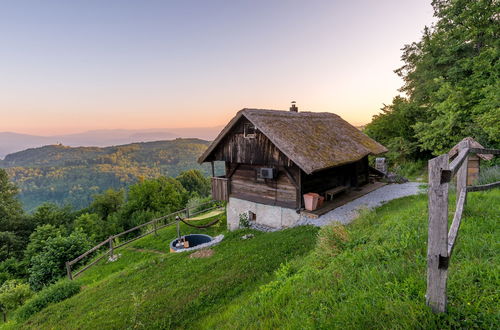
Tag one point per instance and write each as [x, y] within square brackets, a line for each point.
[72, 175]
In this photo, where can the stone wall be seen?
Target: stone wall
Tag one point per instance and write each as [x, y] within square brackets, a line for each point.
[271, 216]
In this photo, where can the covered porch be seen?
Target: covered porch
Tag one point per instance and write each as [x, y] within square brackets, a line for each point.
[341, 199]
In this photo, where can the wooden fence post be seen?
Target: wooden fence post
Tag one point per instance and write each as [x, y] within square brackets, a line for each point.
[462, 172]
[68, 270]
[437, 241]
[154, 226]
[111, 250]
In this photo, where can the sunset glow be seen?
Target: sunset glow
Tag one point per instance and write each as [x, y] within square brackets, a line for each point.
[71, 66]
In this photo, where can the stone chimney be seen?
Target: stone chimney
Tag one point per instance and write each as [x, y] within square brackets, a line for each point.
[293, 108]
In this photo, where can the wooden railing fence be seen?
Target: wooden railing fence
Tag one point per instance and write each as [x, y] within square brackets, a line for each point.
[440, 240]
[156, 225]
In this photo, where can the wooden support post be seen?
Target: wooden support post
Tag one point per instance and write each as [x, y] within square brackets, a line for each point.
[213, 169]
[462, 171]
[111, 251]
[68, 270]
[437, 241]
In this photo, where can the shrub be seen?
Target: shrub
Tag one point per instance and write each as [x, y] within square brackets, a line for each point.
[411, 170]
[244, 221]
[52, 294]
[13, 293]
[489, 175]
[48, 264]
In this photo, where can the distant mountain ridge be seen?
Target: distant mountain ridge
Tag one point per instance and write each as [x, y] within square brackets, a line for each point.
[11, 142]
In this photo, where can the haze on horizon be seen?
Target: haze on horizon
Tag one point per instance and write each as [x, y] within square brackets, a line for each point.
[73, 66]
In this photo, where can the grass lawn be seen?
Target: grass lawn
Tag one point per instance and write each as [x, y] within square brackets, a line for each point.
[153, 290]
[207, 215]
[370, 274]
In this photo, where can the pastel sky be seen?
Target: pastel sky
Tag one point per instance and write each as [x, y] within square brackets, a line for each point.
[70, 66]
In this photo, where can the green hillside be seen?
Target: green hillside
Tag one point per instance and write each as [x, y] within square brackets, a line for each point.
[67, 175]
[370, 274]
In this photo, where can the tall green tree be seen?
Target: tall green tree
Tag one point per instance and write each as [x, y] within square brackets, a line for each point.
[10, 207]
[451, 82]
[195, 182]
[108, 202]
[12, 224]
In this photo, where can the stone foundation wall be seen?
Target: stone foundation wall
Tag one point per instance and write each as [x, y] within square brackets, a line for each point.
[271, 216]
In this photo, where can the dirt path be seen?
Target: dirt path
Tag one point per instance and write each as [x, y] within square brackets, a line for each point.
[350, 211]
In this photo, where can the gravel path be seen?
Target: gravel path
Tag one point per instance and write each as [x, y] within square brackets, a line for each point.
[348, 212]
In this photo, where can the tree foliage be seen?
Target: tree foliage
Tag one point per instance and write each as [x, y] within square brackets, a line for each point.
[96, 228]
[13, 293]
[50, 213]
[108, 202]
[48, 264]
[10, 207]
[451, 83]
[195, 182]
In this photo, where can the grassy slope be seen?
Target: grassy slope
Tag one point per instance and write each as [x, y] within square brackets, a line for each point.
[368, 275]
[171, 290]
[377, 277]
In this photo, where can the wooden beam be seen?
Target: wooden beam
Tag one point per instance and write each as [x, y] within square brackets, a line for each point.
[213, 168]
[231, 172]
[485, 151]
[484, 186]
[290, 176]
[462, 172]
[88, 252]
[455, 225]
[68, 271]
[262, 200]
[454, 166]
[299, 190]
[437, 240]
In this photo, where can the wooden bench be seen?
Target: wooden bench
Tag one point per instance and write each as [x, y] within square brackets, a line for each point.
[334, 191]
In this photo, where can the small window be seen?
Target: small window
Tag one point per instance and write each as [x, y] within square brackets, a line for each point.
[249, 130]
[252, 216]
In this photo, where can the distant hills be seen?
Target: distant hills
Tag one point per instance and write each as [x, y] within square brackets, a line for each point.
[71, 175]
[12, 142]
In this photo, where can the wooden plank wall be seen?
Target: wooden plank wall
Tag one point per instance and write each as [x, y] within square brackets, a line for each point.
[235, 148]
[279, 192]
[220, 189]
[473, 169]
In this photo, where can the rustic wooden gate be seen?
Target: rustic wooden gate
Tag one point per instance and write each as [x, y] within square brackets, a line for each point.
[440, 241]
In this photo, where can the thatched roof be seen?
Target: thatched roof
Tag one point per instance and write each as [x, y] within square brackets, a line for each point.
[312, 140]
[473, 144]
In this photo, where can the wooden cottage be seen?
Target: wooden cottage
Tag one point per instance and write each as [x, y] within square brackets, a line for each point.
[273, 157]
